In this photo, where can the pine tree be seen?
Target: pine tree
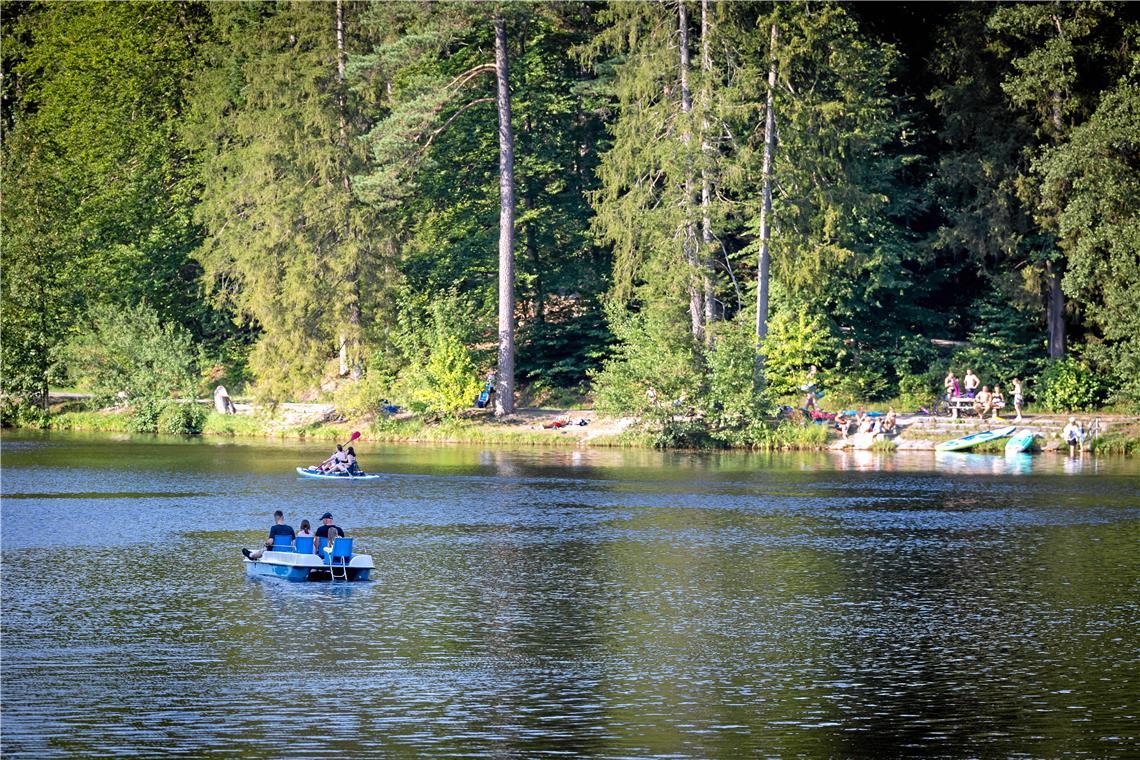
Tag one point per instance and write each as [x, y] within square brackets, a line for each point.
[288, 246]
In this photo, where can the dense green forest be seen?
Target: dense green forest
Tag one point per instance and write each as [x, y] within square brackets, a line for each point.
[314, 199]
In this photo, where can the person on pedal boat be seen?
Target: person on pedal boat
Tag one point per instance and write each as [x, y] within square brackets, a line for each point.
[279, 528]
[327, 533]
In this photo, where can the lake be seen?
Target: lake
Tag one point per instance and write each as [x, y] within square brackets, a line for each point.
[534, 602]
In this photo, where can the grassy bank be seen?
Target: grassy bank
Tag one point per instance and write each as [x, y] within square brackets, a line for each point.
[679, 434]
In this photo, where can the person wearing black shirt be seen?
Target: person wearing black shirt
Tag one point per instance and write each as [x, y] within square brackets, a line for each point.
[327, 532]
[279, 528]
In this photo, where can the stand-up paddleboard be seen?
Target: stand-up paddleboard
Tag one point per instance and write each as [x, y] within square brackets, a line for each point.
[1021, 442]
[306, 472]
[969, 441]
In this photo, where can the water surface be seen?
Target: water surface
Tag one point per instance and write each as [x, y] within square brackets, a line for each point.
[604, 603]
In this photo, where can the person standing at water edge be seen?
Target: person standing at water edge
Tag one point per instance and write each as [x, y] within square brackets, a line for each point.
[1017, 399]
[279, 528]
[1073, 434]
[327, 532]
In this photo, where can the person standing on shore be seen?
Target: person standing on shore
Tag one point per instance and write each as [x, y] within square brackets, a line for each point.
[1017, 398]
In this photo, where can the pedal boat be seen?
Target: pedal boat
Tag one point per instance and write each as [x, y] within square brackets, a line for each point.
[297, 566]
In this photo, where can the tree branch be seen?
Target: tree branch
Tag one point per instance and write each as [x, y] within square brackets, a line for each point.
[453, 117]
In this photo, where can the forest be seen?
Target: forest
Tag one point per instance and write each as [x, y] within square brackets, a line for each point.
[380, 202]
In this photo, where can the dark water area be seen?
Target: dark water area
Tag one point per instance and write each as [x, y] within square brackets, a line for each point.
[544, 602]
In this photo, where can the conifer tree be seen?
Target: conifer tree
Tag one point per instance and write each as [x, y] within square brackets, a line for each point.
[288, 245]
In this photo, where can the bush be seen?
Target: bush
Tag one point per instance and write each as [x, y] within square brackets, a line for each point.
[1067, 385]
[653, 348]
[796, 340]
[919, 390]
[129, 351]
[181, 419]
[448, 382]
[144, 416]
[685, 434]
[732, 399]
[855, 386]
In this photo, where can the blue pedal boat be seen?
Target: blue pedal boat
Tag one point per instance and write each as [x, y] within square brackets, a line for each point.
[300, 563]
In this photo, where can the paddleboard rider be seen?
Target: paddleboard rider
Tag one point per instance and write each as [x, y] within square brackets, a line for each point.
[339, 457]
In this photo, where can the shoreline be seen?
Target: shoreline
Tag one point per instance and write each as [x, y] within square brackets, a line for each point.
[532, 427]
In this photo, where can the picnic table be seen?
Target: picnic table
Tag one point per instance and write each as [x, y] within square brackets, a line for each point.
[965, 404]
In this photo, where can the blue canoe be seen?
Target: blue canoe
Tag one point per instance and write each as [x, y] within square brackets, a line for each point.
[306, 472]
[1021, 442]
[969, 441]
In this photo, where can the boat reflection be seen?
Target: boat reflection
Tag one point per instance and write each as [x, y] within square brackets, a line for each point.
[961, 463]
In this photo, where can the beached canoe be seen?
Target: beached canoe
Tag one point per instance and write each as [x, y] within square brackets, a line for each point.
[969, 441]
[306, 472]
[1022, 441]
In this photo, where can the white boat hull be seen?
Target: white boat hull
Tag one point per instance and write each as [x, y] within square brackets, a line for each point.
[306, 567]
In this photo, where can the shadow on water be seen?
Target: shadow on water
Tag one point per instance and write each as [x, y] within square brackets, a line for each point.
[603, 603]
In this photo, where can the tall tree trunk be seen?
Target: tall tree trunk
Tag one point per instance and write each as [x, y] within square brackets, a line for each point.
[1054, 296]
[1054, 311]
[706, 181]
[42, 338]
[689, 230]
[348, 362]
[505, 387]
[766, 209]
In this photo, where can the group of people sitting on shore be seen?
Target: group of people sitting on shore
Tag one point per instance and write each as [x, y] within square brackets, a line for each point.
[323, 537]
[984, 400]
[867, 422]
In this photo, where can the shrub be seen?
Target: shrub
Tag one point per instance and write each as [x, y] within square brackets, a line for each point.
[732, 399]
[654, 349]
[919, 390]
[447, 383]
[181, 419]
[796, 340]
[144, 416]
[129, 351]
[856, 385]
[685, 434]
[1068, 385]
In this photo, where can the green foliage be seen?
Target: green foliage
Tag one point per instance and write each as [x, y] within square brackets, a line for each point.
[145, 414]
[448, 382]
[288, 246]
[129, 354]
[920, 390]
[95, 206]
[233, 425]
[1068, 385]
[1008, 342]
[1093, 186]
[181, 419]
[796, 340]
[654, 350]
[685, 434]
[733, 401]
[854, 385]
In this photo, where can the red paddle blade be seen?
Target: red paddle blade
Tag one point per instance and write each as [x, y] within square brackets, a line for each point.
[355, 435]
